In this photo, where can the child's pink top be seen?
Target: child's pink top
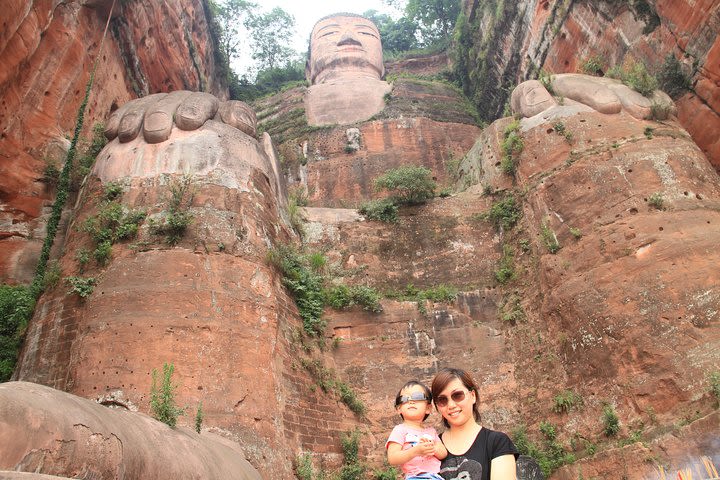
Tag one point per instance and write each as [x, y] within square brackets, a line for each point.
[408, 437]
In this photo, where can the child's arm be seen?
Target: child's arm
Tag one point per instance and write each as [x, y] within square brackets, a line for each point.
[397, 456]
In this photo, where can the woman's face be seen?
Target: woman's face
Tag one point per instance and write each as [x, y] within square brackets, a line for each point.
[458, 410]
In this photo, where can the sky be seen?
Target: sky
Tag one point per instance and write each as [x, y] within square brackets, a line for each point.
[307, 12]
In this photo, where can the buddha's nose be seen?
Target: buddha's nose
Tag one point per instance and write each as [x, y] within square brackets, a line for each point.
[348, 38]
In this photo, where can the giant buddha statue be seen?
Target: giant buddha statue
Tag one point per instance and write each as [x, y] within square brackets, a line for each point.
[345, 69]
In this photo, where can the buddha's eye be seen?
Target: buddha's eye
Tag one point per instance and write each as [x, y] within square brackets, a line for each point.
[328, 33]
[368, 34]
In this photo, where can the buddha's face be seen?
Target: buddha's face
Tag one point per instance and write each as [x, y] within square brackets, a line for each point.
[344, 45]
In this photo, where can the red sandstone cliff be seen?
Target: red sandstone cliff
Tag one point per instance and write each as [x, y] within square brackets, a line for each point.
[47, 49]
[558, 36]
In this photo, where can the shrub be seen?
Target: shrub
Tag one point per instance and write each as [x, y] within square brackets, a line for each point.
[511, 147]
[112, 223]
[367, 297]
[162, 397]
[512, 311]
[611, 422]
[112, 190]
[83, 257]
[383, 210]
[177, 217]
[338, 296]
[408, 185]
[445, 192]
[440, 293]
[548, 429]
[81, 286]
[51, 173]
[649, 132]
[349, 397]
[635, 75]
[565, 401]
[342, 296]
[551, 455]
[506, 270]
[545, 78]
[549, 238]
[305, 285]
[714, 381]
[576, 232]
[660, 111]
[352, 468]
[16, 309]
[657, 201]
[199, 416]
[671, 78]
[304, 467]
[505, 213]
[592, 65]
[103, 252]
[560, 129]
[386, 473]
[52, 275]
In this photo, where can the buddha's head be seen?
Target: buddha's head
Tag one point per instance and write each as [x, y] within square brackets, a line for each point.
[344, 44]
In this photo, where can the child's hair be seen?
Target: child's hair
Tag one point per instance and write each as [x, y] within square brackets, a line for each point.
[409, 384]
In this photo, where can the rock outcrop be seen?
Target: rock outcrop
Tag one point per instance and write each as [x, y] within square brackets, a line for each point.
[632, 205]
[47, 50]
[210, 304]
[49, 431]
[504, 47]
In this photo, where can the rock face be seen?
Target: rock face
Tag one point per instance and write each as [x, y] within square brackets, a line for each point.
[559, 36]
[211, 305]
[47, 49]
[423, 123]
[58, 433]
[602, 316]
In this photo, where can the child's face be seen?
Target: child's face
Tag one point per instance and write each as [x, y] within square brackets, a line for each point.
[414, 410]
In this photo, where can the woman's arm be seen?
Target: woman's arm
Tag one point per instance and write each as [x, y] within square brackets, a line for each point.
[503, 468]
[440, 450]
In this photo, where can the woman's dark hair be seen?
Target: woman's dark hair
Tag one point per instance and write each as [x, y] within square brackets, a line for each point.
[442, 380]
[409, 384]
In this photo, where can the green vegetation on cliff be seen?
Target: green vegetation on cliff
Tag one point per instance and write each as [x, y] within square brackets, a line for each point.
[162, 396]
[407, 185]
[16, 308]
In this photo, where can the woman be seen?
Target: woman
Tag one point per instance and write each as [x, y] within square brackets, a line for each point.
[474, 452]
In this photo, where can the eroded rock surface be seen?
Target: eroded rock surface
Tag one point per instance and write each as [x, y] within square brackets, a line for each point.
[211, 305]
[46, 431]
[559, 37]
[47, 49]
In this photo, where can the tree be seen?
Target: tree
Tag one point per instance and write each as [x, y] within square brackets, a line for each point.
[271, 33]
[397, 36]
[232, 17]
[435, 18]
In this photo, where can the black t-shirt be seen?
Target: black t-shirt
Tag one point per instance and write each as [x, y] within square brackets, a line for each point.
[475, 463]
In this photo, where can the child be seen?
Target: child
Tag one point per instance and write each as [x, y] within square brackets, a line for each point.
[412, 445]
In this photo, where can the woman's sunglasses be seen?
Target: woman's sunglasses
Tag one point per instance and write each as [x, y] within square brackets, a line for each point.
[457, 397]
[413, 397]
